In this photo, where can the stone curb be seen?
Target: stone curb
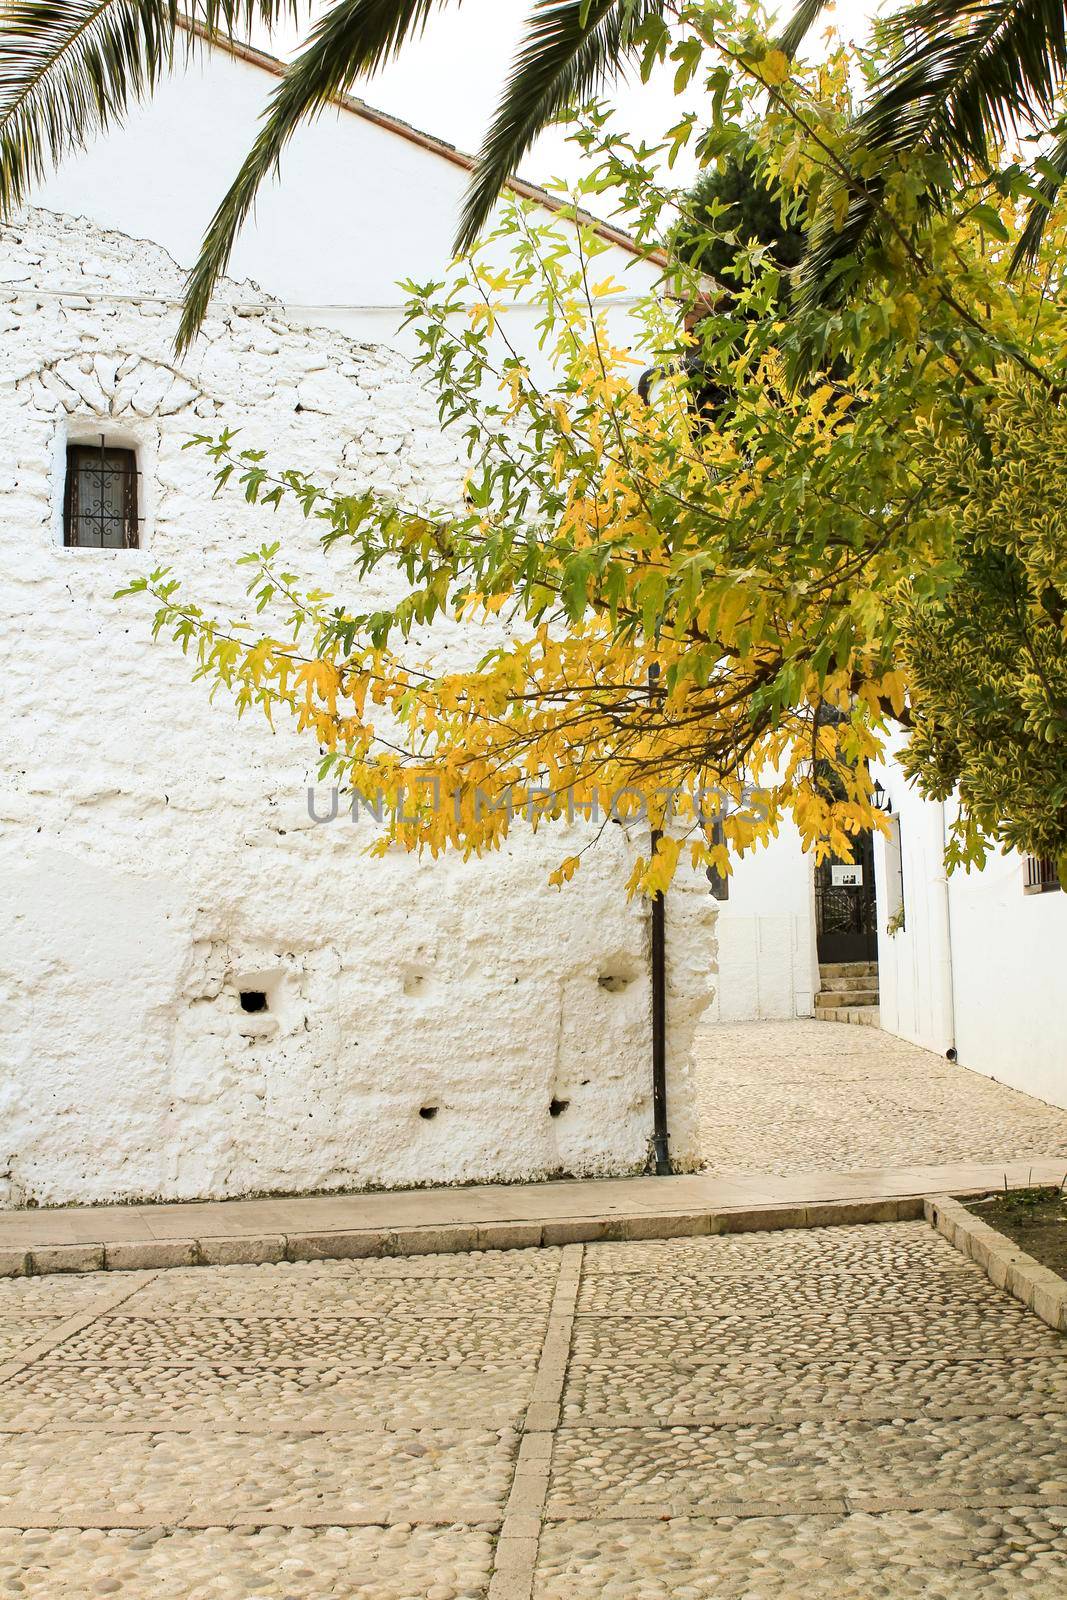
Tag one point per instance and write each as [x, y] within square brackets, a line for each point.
[353, 1244]
[1043, 1291]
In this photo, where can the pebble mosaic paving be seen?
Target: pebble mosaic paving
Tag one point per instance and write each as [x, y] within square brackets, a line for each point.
[849, 1413]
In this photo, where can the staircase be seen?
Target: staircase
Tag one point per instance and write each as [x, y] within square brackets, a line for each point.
[848, 992]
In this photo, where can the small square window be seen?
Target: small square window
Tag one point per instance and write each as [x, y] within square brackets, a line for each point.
[100, 503]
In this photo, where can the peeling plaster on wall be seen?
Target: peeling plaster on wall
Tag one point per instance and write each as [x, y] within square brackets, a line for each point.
[157, 856]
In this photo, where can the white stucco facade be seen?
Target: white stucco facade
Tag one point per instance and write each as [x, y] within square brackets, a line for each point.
[980, 966]
[426, 1022]
[361, 203]
[767, 965]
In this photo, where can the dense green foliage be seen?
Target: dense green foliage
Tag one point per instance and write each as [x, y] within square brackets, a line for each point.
[734, 214]
[987, 655]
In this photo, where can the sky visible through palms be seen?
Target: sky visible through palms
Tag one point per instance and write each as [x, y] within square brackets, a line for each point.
[447, 83]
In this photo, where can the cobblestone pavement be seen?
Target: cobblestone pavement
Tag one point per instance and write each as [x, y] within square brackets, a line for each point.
[828, 1414]
[791, 1097]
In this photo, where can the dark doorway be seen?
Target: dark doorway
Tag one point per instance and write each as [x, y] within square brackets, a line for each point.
[846, 925]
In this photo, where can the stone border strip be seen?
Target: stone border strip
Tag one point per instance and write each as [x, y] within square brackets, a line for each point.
[374, 1514]
[516, 1550]
[356, 1244]
[1040, 1289]
[109, 1300]
[696, 1510]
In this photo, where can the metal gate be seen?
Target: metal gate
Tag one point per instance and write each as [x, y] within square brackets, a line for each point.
[846, 924]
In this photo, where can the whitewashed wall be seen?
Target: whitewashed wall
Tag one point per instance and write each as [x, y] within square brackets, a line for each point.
[156, 856]
[356, 208]
[979, 966]
[767, 965]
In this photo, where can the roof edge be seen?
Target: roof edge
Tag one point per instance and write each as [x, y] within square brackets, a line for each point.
[427, 141]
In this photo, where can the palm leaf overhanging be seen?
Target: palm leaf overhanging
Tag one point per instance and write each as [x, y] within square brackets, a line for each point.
[353, 38]
[68, 68]
[571, 49]
[799, 25]
[964, 75]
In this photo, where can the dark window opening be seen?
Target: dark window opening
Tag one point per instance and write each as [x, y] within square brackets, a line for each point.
[1041, 875]
[100, 503]
[253, 1000]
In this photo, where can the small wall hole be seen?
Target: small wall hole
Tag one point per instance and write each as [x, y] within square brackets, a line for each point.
[613, 982]
[556, 1108]
[428, 1113]
[253, 1000]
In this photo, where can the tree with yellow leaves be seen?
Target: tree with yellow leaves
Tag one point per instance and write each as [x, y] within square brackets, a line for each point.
[705, 613]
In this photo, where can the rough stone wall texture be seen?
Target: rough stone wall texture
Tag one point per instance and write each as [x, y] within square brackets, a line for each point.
[157, 856]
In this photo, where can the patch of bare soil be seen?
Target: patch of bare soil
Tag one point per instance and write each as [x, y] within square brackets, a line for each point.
[1035, 1219]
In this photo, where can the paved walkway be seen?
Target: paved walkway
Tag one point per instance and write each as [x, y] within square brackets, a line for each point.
[830, 1414]
[792, 1097]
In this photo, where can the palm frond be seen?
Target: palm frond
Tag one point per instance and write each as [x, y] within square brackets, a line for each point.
[69, 68]
[964, 75]
[570, 49]
[1054, 175]
[352, 38]
[799, 25]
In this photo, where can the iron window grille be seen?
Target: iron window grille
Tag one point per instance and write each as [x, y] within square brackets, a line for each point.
[100, 502]
[1040, 875]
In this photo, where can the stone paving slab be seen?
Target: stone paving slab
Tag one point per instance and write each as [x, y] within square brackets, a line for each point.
[335, 1302]
[488, 1343]
[813, 1336]
[154, 1396]
[395, 1563]
[935, 1555]
[718, 1380]
[873, 1254]
[820, 1458]
[224, 1478]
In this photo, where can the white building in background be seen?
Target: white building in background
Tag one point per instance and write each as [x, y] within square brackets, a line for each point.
[203, 992]
[970, 964]
[973, 963]
[768, 967]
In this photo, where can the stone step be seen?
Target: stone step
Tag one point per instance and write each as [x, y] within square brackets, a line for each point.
[831, 997]
[827, 999]
[848, 969]
[847, 985]
[860, 1016]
